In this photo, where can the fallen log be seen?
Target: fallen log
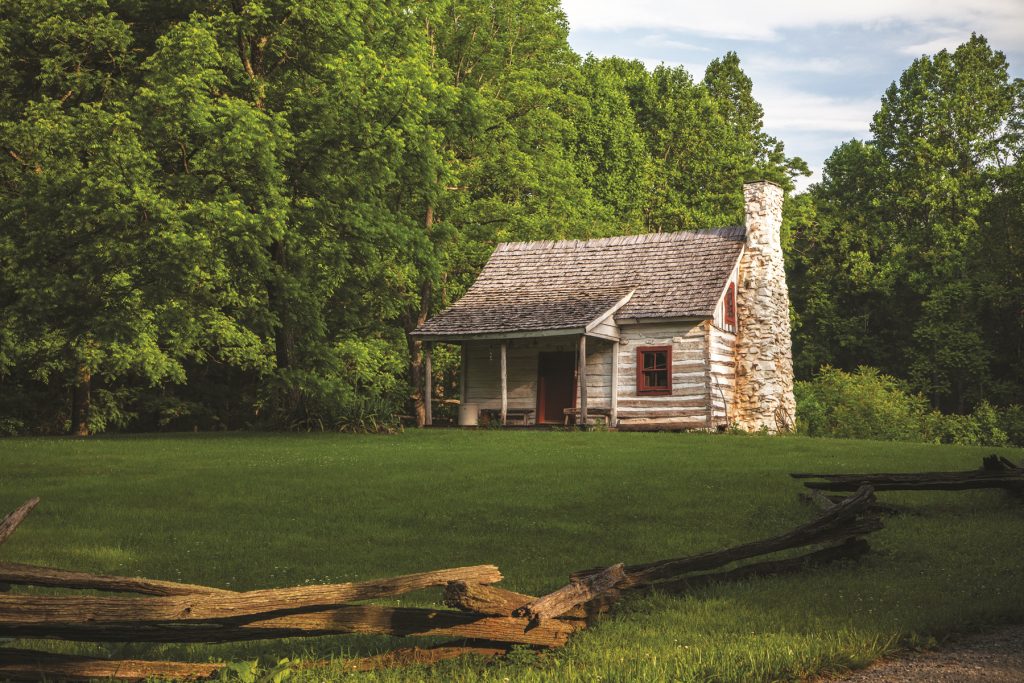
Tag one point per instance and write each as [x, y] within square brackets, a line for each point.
[489, 600]
[850, 549]
[11, 521]
[413, 656]
[849, 518]
[364, 619]
[30, 665]
[32, 575]
[996, 472]
[824, 502]
[568, 597]
[222, 606]
[496, 601]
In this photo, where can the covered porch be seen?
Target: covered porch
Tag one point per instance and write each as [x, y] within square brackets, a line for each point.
[534, 361]
[536, 379]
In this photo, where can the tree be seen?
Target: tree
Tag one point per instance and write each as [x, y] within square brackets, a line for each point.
[901, 263]
[765, 155]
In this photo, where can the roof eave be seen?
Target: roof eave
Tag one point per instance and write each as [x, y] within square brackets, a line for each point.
[664, 319]
[511, 334]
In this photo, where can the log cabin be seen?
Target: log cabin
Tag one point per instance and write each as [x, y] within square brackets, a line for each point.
[664, 331]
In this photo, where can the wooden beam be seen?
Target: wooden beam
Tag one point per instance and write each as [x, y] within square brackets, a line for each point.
[993, 474]
[504, 383]
[613, 417]
[494, 601]
[568, 597]
[31, 575]
[428, 381]
[425, 656]
[361, 619]
[31, 609]
[11, 521]
[582, 380]
[851, 517]
[31, 665]
[708, 398]
[463, 373]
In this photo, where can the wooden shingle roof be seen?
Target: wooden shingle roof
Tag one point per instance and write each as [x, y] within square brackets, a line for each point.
[566, 285]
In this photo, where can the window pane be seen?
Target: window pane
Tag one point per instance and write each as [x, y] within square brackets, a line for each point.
[660, 359]
[656, 379]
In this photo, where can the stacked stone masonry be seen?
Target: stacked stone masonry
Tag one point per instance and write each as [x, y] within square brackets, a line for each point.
[764, 356]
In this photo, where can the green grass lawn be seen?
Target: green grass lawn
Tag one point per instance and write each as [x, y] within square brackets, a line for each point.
[254, 511]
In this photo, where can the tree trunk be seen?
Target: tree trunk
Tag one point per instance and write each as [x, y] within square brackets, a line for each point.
[283, 341]
[415, 345]
[81, 402]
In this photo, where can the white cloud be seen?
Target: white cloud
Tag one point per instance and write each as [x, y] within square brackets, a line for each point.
[1000, 20]
[948, 41]
[662, 40]
[813, 65]
[795, 110]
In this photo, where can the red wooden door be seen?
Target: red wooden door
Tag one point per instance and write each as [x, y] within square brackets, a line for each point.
[556, 385]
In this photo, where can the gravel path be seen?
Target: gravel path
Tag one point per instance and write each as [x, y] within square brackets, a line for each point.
[994, 657]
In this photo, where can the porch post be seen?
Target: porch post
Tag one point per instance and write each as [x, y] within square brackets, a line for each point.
[463, 372]
[428, 371]
[582, 375]
[613, 417]
[504, 383]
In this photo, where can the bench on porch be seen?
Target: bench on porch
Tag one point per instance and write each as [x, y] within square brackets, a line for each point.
[572, 415]
[517, 416]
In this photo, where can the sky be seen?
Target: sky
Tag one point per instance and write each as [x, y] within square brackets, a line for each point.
[819, 67]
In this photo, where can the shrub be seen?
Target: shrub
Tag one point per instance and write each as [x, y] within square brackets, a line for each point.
[864, 404]
[867, 404]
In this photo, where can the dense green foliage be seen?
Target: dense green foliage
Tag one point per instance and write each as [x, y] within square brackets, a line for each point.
[868, 405]
[229, 214]
[242, 512]
[909, 255]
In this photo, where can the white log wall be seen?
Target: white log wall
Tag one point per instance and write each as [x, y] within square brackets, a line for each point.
[723, 375]
[686, 408]
[692, 376]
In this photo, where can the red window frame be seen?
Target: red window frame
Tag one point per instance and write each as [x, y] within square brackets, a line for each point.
[730, 304]
[646, 372]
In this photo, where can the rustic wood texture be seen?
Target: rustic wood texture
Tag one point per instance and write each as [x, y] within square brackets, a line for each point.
[499, 602]
[97, 610]
[996, 472]
[425, 656]
[11, 521]
[31, 575]
[568, 597]
[488, 600]
[848, 550]
[30, 665]
[851, 517]
[570, 284]
[581, 379]
[364, 619]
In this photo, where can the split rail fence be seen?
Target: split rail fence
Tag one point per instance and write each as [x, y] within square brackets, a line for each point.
[482, 618]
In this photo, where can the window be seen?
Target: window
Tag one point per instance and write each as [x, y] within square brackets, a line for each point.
[654, 370]
[730, 304]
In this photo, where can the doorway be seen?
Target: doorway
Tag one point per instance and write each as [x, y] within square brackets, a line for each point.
[556, 385]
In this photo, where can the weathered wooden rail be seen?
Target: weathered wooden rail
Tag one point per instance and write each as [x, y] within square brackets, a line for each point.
[995, 472]
[486, 620]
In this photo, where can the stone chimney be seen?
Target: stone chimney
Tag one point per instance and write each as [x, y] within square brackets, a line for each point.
[764, 352]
